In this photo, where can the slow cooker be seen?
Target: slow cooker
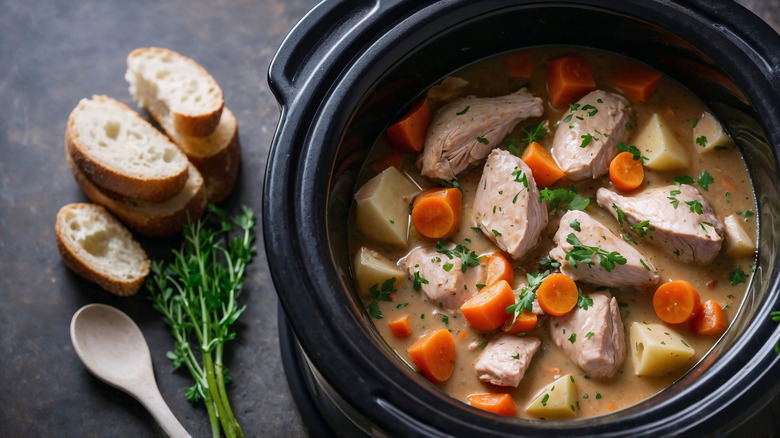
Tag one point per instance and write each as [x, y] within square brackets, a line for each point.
[349, 67]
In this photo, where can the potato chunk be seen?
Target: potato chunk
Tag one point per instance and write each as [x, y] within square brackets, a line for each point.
[557, 401]
[708, 134]
[373, 268]
[657, 350]
[660, 146]
[382, 211]
[738, 241]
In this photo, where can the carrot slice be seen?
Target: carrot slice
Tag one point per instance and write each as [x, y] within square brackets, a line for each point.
[557, 295]
[498, 268]
[520, 65]
[524, 323]
[625, 172]
[636, 81]
[408, 134]
[676, 302]
[710, 321]
[568, 79]
[501, 404]
[393, 159]
[436, 212]
[434, 354]
[543, 167]
[401, 327]
[486, 310]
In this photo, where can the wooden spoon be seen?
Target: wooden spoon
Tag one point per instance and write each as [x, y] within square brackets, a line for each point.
[113, 348]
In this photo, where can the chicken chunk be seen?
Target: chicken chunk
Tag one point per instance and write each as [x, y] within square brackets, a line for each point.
[587, 135]
[505, 358]
[592, 338]
[596, 241]
[464, 131]
[445, 283]
[679, 219]
[506, 205]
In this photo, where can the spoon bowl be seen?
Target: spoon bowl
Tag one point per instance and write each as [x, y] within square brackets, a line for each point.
[114, 350]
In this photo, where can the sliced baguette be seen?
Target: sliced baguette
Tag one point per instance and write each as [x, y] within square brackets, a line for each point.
[217, 156]
[121, 152]
[100, 249]
[150, 218]
[175, 89]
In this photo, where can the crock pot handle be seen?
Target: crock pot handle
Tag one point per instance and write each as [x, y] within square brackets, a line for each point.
[309, 49]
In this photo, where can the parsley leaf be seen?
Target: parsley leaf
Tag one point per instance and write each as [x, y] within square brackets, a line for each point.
[452, 183]
[745, 214]
[534, 133]
[483, 140]
[575, 224]
[695, 206]
[583, 301]
[525, 301]
[563, 199]
[701, 141]
[468, 258]
[633, 150]
[621, 215]
[737, 276]
[584, 254]
[642, 228]
[383, 294]
[465, 110]
[705, 179]
[418, 281]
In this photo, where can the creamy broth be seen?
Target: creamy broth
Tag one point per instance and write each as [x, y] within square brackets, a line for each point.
[729, 193]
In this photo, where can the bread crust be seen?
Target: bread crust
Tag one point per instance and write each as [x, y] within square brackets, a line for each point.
[184, 121]
[74, 258]
[157, 219]
[117, 179]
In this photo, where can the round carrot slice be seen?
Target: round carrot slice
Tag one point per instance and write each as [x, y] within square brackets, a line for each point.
[557, 295]
[676, 302]
[434, 354]
[625, 172]
[436, 212]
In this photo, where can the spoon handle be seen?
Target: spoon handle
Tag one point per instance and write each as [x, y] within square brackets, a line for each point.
[154, 402]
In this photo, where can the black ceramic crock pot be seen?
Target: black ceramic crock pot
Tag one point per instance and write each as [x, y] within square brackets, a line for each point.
[349, 67]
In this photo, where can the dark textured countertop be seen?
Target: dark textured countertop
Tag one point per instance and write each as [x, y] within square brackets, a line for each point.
[52, 54]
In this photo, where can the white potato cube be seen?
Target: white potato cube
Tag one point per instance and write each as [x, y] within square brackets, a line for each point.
[710, 133]
[373, 268]
[657, 350]
[656, 142]
[557, 401]
[382, 211]
[738, 241]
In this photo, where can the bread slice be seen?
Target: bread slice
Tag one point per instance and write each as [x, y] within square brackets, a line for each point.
[175, 89]
[217, 156]
[121, 152]
[149, 218]
[100, 249]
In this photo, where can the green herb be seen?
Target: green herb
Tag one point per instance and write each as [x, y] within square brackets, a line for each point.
[694, 122]
[544, 399]
[418, 281]
[197, 293]
[621, 215]
[673, 197]
[585, 396]
[465, 110]
[587, 139]
[383, 294]
[563, 199]
[703, 225]
[515, 356]
[401, 305]
[642, 228]
[549, 262]
[496, 232]
[633, 150]
[598, 396]
[584, 254]
[745, 214]
[468, 258]
[534, 133]
[589, 335]
[511, 146]
[447, 266]
[683, 179]
[701, 141]
[452, 183]
[483, 140]
[644, 265]
[629, 127]
[445, 319]
[573, 338]
[520, 177]
[705, 179]
[525, 300]
[583, 301]
[695, 206]
[737, 276]
[575, 224]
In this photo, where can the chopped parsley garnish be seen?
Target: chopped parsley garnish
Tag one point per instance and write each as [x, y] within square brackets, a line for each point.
[583, 301]
[468, 258]
[703, 225]
[584, 254]
[642, 228]
[525, 301]
[737, 276]
[633, 150]
[563, 199]
[520, 177]
[465, 110]
[673, 197]
[701, 141]
[496, 232]
[589, 335]
[705, 179]
[683, 179]
[644, 265]
[598, 396]
[418, 281]
[549, 263]
[587, 139]
[573, 338]
[383, 294]
[452, 183]
[534, 133]
[745, 214]
[575, 224]
[544, 399]
[621, 215]
[695, 206]
[483, 140]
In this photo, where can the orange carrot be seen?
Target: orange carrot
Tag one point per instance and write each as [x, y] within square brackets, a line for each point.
[393, 159]
[711, 320]
[501, 404]
[568, 79]
[408, 134]
[486, 310]
[557, 295]
[434, 354]
[498, 268]
[519, 65]
[436, 212]
[636, 81]
[524, 323]
[543, 167]
[676, 302]
[400, 327]
[625, 172]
